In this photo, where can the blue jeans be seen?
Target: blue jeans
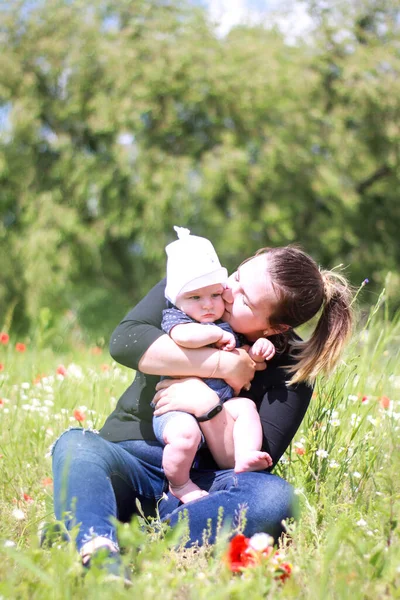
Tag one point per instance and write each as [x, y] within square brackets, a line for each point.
[95, 479]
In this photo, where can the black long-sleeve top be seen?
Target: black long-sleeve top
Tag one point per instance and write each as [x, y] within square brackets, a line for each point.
[281, 407]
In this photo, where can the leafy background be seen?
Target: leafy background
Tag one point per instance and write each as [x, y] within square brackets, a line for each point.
[120, 119]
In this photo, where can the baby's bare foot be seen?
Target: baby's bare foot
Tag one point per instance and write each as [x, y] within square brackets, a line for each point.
[253, 460]
[187, 492]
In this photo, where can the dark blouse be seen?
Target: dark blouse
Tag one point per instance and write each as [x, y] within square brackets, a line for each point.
[281, 407]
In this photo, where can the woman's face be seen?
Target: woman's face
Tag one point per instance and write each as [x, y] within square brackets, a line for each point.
[250, 299]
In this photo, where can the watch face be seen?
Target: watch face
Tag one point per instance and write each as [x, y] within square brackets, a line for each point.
[211, 413]
[214, 411]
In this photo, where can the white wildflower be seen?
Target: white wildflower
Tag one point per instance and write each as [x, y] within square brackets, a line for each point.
[361, 523]
[18, 514]
[321, 453]
[261, 541]
[352, 397]
[75, 371]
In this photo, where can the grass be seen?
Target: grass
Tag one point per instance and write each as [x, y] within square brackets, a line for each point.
[344, 464]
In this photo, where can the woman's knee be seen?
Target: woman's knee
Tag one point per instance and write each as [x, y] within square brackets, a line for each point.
[269, 493]
[74, 442]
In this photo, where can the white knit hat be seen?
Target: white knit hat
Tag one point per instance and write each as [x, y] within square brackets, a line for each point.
[192, 264]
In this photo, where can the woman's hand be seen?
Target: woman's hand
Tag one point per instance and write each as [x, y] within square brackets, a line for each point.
[237, 368]
[189, 394]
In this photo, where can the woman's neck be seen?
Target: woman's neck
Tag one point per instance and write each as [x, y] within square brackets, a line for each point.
[254, 336]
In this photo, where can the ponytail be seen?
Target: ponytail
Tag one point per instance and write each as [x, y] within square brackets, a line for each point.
[322, 351]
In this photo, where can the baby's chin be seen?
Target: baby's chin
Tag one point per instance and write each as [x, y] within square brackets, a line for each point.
[210, 320]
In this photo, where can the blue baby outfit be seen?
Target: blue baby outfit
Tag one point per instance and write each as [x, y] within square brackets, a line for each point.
[171, 317]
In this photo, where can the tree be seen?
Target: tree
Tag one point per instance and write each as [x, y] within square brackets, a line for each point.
[123, 119]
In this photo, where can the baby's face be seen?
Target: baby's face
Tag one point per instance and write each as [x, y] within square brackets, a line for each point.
[204, 305]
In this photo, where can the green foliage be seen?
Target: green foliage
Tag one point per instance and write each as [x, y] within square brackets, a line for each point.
[345, 543]
[122, 119]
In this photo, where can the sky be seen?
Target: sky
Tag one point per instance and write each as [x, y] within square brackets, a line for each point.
[292, 19]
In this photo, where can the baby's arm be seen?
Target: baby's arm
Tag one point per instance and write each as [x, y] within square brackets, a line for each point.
[196, 335]
[262, 350]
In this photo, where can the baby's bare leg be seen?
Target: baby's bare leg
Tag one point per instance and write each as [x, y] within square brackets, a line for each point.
[247, 436]
[182, 437]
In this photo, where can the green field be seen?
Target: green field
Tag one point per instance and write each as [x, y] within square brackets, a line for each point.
[344, 465]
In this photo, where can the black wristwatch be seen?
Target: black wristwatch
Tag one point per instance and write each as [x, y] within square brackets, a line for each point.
[211, 413]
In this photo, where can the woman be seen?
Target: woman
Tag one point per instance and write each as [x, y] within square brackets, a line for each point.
[100, 476]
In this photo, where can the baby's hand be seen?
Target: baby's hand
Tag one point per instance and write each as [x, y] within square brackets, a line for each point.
[262, 349]
[226, 342]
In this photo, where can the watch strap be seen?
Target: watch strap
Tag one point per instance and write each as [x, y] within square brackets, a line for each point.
[215, 410]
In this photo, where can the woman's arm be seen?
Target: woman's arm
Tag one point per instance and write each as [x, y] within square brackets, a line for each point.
[139, 329]
[139, 343]
[281, 411]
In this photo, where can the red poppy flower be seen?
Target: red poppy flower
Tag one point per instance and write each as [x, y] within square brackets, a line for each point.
[47, 482]
[364, 398]
[286, 569]
[246, 552]
[239, 554]
[20, 347]
[39, 378]
[1, 402]
[300, 451]
[61, 370]
[384, 401]
[96, 350]
[105, 367]
[4, 338]
[27, 498]
[1, 367]
[79, 415]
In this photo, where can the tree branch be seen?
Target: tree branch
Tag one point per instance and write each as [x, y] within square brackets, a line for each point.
[379, 173]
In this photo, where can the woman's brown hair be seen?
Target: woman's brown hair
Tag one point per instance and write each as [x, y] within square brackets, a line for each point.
[303, 289]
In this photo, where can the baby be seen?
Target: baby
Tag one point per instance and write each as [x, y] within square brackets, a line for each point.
[195, 284]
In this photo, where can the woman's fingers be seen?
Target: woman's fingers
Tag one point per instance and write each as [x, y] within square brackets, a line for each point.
[261, 366]
[166, 383]
[189, 394]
